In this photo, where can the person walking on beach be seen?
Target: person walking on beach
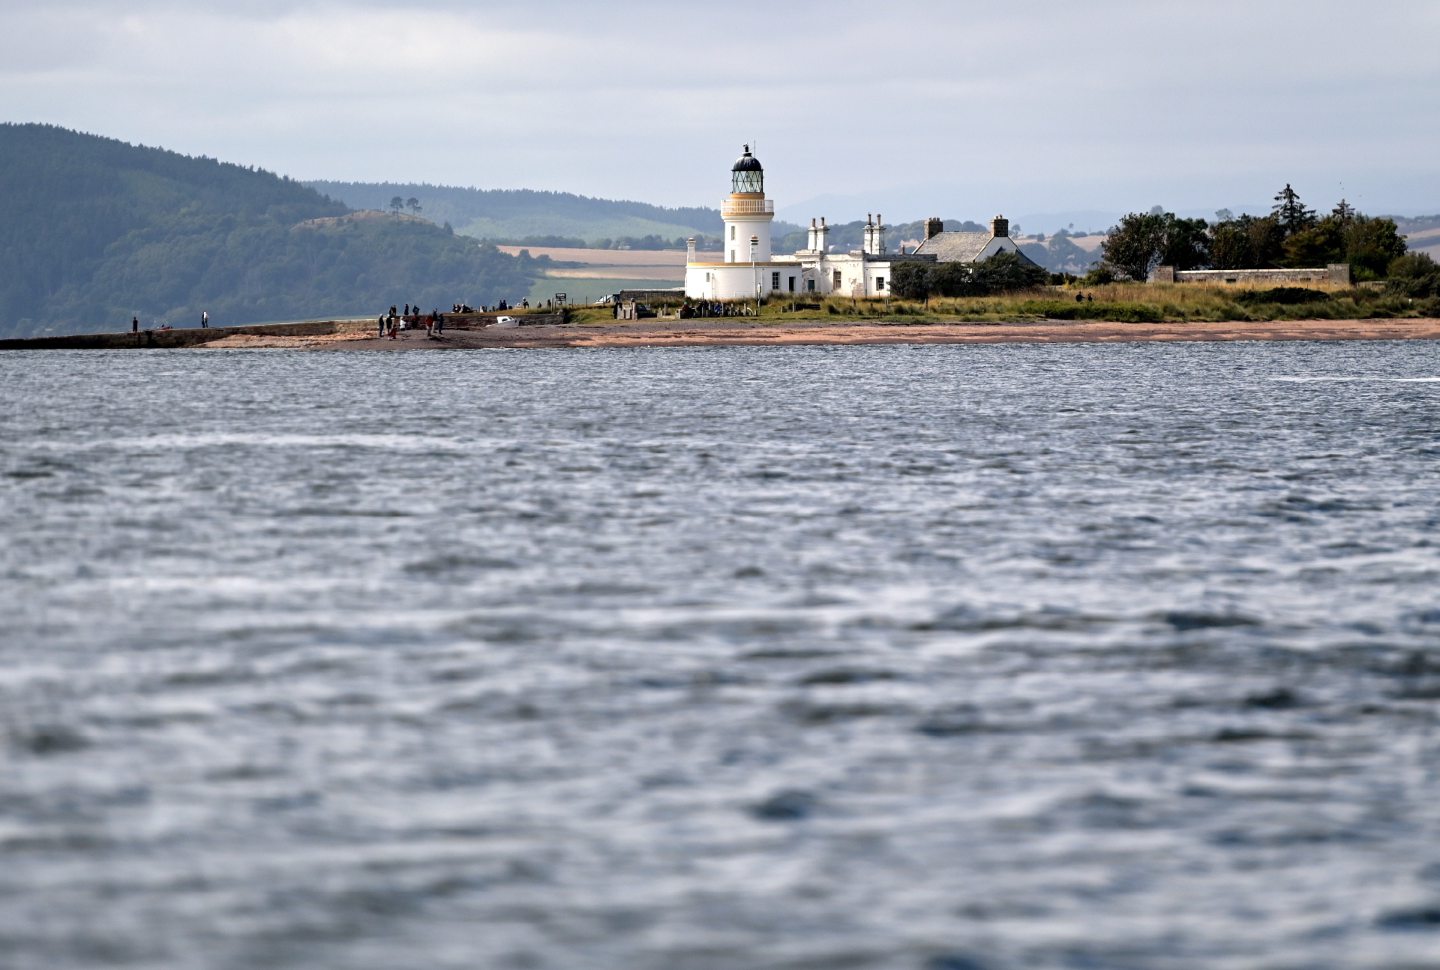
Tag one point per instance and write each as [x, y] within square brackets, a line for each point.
[381, 321]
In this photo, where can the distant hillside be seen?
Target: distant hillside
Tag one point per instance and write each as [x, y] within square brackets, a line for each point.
[98, 230]
[513, 215]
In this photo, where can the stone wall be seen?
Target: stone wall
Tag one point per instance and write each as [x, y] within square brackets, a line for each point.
[188, 337]
[1334, 273]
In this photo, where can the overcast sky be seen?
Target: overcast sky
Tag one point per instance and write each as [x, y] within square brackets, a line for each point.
[911, 108]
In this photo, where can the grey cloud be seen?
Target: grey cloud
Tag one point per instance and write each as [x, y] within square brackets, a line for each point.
[1056, 105]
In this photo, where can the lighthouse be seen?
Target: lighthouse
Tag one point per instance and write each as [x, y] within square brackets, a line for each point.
[747, 213]
[745, 269]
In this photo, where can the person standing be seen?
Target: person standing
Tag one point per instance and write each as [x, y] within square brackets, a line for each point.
[204, 319]
[134, 324]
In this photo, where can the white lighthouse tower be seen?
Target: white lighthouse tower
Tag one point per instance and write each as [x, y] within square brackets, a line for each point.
[747, 269]
[747, 213]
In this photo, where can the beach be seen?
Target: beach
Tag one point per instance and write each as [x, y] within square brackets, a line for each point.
[741, 332]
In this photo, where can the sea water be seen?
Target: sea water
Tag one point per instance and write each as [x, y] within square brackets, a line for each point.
[942, 657]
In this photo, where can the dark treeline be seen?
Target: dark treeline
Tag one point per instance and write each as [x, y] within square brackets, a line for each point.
[99, 230]
[515, 216]
[1291, 236]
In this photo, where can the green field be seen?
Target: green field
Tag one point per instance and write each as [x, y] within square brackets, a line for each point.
[583, 291]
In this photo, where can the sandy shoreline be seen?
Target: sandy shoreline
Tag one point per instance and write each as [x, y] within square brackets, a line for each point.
[702, 333]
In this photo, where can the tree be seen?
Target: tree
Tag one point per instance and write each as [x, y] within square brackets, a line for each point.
[413, 204]
[1291, 213]
[1133, 247]
[1371, 245]
[1007, 271]
[396, 204]
[910, 280]
[951, 279]
[1343, 211]
[1247, 243]
[1414, 274]
[1319, 245]
[1187, 243]
[1141, 242]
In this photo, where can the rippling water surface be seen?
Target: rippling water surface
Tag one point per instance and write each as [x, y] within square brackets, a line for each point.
[946, 658]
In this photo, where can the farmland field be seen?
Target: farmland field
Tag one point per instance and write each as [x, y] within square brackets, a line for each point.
[604, 271]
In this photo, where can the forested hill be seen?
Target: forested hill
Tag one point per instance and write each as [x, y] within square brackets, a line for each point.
[98, 230]
[519, 215]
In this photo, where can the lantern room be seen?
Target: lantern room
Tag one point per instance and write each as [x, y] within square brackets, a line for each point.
[747, 176]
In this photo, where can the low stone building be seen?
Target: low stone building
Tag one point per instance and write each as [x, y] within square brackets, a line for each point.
[1333, 273]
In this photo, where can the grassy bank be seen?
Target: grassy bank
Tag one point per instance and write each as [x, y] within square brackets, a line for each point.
[1116, 302]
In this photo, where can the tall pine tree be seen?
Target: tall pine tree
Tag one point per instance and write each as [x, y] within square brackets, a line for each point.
[1291, 213]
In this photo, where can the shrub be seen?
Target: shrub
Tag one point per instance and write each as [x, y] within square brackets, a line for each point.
[1051, 309]
[1132, 313]
[1415, 274]
[1283, 295]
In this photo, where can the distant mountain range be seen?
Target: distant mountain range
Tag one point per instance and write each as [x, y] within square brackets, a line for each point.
[98, 230]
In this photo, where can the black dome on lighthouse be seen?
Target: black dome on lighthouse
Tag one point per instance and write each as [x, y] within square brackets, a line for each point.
[747, 175]
[747, 163]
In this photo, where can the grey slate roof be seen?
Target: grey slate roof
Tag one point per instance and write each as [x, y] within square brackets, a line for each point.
[956, 247]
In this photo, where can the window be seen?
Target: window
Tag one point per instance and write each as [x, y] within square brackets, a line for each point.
[809, 286]
[879, 283]
[774, 281]
[732, 233]
[732, 255]
[835, 280]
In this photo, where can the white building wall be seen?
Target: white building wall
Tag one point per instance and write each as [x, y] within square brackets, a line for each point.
[737, 240]
[1000, 244]
[738, 281]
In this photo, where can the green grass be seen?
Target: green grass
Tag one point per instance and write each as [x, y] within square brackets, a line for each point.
[1126, 303]
[1115, 303]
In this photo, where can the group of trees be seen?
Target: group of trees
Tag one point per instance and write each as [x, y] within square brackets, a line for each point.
[1292, 235]
[1003, 272]
[514, 215]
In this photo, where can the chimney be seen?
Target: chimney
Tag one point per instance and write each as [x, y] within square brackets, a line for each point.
[690, 250]
[1000, 226]
[934, 226]
[822, 236]
[874, 235]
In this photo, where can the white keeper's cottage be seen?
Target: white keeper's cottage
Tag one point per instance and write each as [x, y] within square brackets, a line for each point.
[749, 269]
